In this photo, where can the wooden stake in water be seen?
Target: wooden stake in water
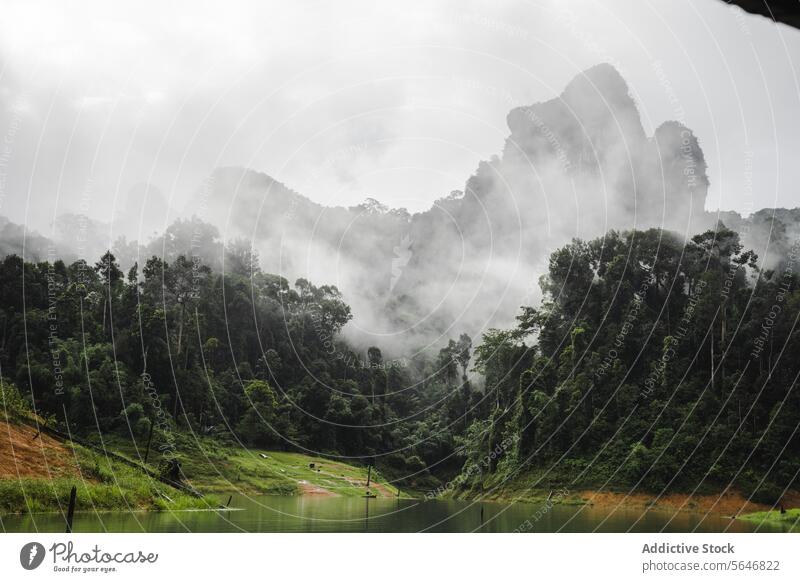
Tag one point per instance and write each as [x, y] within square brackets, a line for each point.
[71, 510]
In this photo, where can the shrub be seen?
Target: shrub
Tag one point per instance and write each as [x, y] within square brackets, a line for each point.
[12, 404]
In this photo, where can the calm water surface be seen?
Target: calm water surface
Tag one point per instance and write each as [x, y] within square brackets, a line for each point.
[348, 514]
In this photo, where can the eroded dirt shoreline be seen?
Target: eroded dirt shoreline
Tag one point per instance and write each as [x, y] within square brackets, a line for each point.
[730, 503]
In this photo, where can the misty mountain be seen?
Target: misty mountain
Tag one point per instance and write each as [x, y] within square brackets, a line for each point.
[15, 239]
[575, 166]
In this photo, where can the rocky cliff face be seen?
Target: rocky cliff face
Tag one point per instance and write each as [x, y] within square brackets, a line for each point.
[574, 166]
[594, 131]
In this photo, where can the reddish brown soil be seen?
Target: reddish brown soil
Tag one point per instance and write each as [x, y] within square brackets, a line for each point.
[729, 503]
[307, 488]
[23, 456]
[791, 499]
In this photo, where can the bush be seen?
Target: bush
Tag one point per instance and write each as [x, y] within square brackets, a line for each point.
[12, 404]
[415, 464]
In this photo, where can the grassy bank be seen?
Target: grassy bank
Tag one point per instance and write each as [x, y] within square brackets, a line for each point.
[791, 518]
[102, 484]
[47, 471]
[38, 470]
[218, 466]
[222, 466]
[285, 473]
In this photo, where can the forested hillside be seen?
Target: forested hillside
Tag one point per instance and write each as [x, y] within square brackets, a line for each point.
[652, 363]
[248, 355]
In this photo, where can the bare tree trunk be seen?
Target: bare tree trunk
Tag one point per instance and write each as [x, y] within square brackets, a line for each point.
[180, 326]
[711, 344]
[723, 335]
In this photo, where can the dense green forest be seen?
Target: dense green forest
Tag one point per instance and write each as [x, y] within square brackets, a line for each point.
[651, 363]
[244, 356]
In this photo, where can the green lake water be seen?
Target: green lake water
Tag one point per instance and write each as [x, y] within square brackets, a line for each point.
[348, 514]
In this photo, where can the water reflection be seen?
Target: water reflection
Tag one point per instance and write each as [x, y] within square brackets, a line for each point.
[355, 514]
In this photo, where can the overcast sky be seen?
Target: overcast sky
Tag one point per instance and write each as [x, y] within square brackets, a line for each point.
[346, 100]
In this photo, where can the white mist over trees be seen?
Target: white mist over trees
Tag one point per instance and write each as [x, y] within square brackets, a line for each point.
[575, 166]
